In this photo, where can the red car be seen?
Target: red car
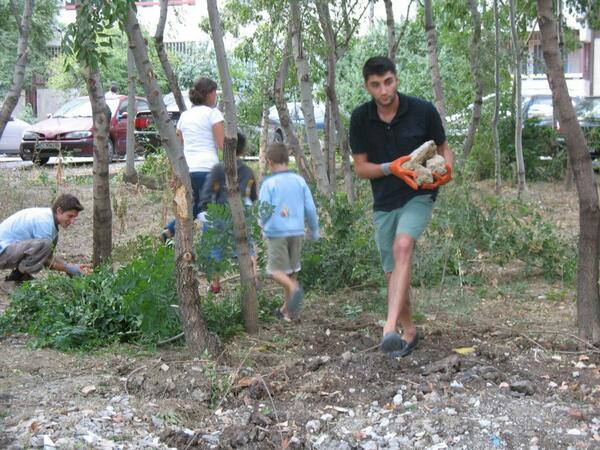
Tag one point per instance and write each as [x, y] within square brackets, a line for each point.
[68, 132]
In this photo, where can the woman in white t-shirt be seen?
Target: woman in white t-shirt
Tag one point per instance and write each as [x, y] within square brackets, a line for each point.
[201, 132]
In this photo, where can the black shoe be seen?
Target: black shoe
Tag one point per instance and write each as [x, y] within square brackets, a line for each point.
[18, 277]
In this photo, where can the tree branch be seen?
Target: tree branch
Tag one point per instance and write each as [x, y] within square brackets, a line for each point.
[15, 13]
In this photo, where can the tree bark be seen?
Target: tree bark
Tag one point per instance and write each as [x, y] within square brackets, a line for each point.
[164, 58]
[476, 74]
[130, 175]
[495, 135]
[12, 97]
[334, 52]
[434, 65]
[263, 142]
[329, 143]
[588, 299]
[197, 335]
[391, 29]
[521, 183]
[284, 115]
[308, 110]
[249, 298]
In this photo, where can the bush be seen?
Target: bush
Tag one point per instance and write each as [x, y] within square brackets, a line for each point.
[469, 224]
[346, 254]
[135, 304]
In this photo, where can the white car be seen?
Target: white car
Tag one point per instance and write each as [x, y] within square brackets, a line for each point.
[11, 138]
[296, 117]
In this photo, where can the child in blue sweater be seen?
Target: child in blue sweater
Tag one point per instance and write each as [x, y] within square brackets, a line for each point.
[289, 204]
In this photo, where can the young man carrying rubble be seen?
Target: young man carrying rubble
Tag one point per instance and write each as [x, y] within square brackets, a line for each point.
[383, 132]
[28, 238]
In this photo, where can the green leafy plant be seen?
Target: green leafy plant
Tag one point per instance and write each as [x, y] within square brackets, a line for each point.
[346, 254]
[136, 303]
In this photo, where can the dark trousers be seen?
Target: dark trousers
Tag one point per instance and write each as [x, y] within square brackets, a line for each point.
[198, 179]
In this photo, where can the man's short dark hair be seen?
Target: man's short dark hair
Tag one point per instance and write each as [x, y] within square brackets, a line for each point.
[277, 153]
[378, 65]
[66, 202]
[241, 144]
[114, 88]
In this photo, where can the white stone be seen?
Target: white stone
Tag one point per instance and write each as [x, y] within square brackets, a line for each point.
[313, 426]
[398, 399]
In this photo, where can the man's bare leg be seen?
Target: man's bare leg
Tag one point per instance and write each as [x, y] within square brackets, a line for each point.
[398, 288]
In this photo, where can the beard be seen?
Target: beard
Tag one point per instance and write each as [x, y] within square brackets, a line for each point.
[387, 101]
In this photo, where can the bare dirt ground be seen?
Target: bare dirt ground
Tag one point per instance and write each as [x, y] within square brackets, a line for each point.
[498, 368]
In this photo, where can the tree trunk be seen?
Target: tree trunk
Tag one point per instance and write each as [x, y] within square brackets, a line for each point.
[102, 211]
[588, 299]
[476, 74]
[263, 142]
[522, 184]
[495, 135]
[197, 335]
[434, 66]
[249, 301]
[164, 58]
[130, 172]
[308, 110]
[329, 143]
[333, 54]
[12, 97]
[569, 180]
[391, 29]
[284, 115]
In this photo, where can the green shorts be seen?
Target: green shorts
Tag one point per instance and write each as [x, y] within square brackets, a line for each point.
[283, 254]
[411, 219]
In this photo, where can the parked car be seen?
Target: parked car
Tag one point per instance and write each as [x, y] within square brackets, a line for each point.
[588, 115]
[11, 138]
[297, 118]
[146, 134]
[69, 131]
[539, 109]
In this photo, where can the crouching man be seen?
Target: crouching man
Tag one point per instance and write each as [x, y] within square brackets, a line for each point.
[28, 238]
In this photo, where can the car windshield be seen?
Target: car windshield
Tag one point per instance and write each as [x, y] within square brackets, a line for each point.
[589, 109]
[169, 100]
[81, 107]
[541, 108]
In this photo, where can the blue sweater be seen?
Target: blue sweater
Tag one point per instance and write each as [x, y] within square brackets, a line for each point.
[291, 204]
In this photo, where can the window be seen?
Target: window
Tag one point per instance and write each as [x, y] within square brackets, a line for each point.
[54, 51]
[180, 47]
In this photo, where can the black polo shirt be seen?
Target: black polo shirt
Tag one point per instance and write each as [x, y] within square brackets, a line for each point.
[416, 121]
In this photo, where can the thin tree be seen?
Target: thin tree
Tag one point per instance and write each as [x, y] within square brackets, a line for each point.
[393, 39]
[164, 58]
[516, 50]
[12, 98]
[85, 40]
[475, 59]
[130, 175]
[263, 141]
[196, 333]
[434, 65]
[306, 100]
[284, 114]
[249, 300]
[335, 52]
[495, 135]
[588, 296]
[391, 29]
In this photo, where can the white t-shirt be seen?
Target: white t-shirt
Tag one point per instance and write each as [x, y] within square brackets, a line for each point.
[27, 224]
[199, 146]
